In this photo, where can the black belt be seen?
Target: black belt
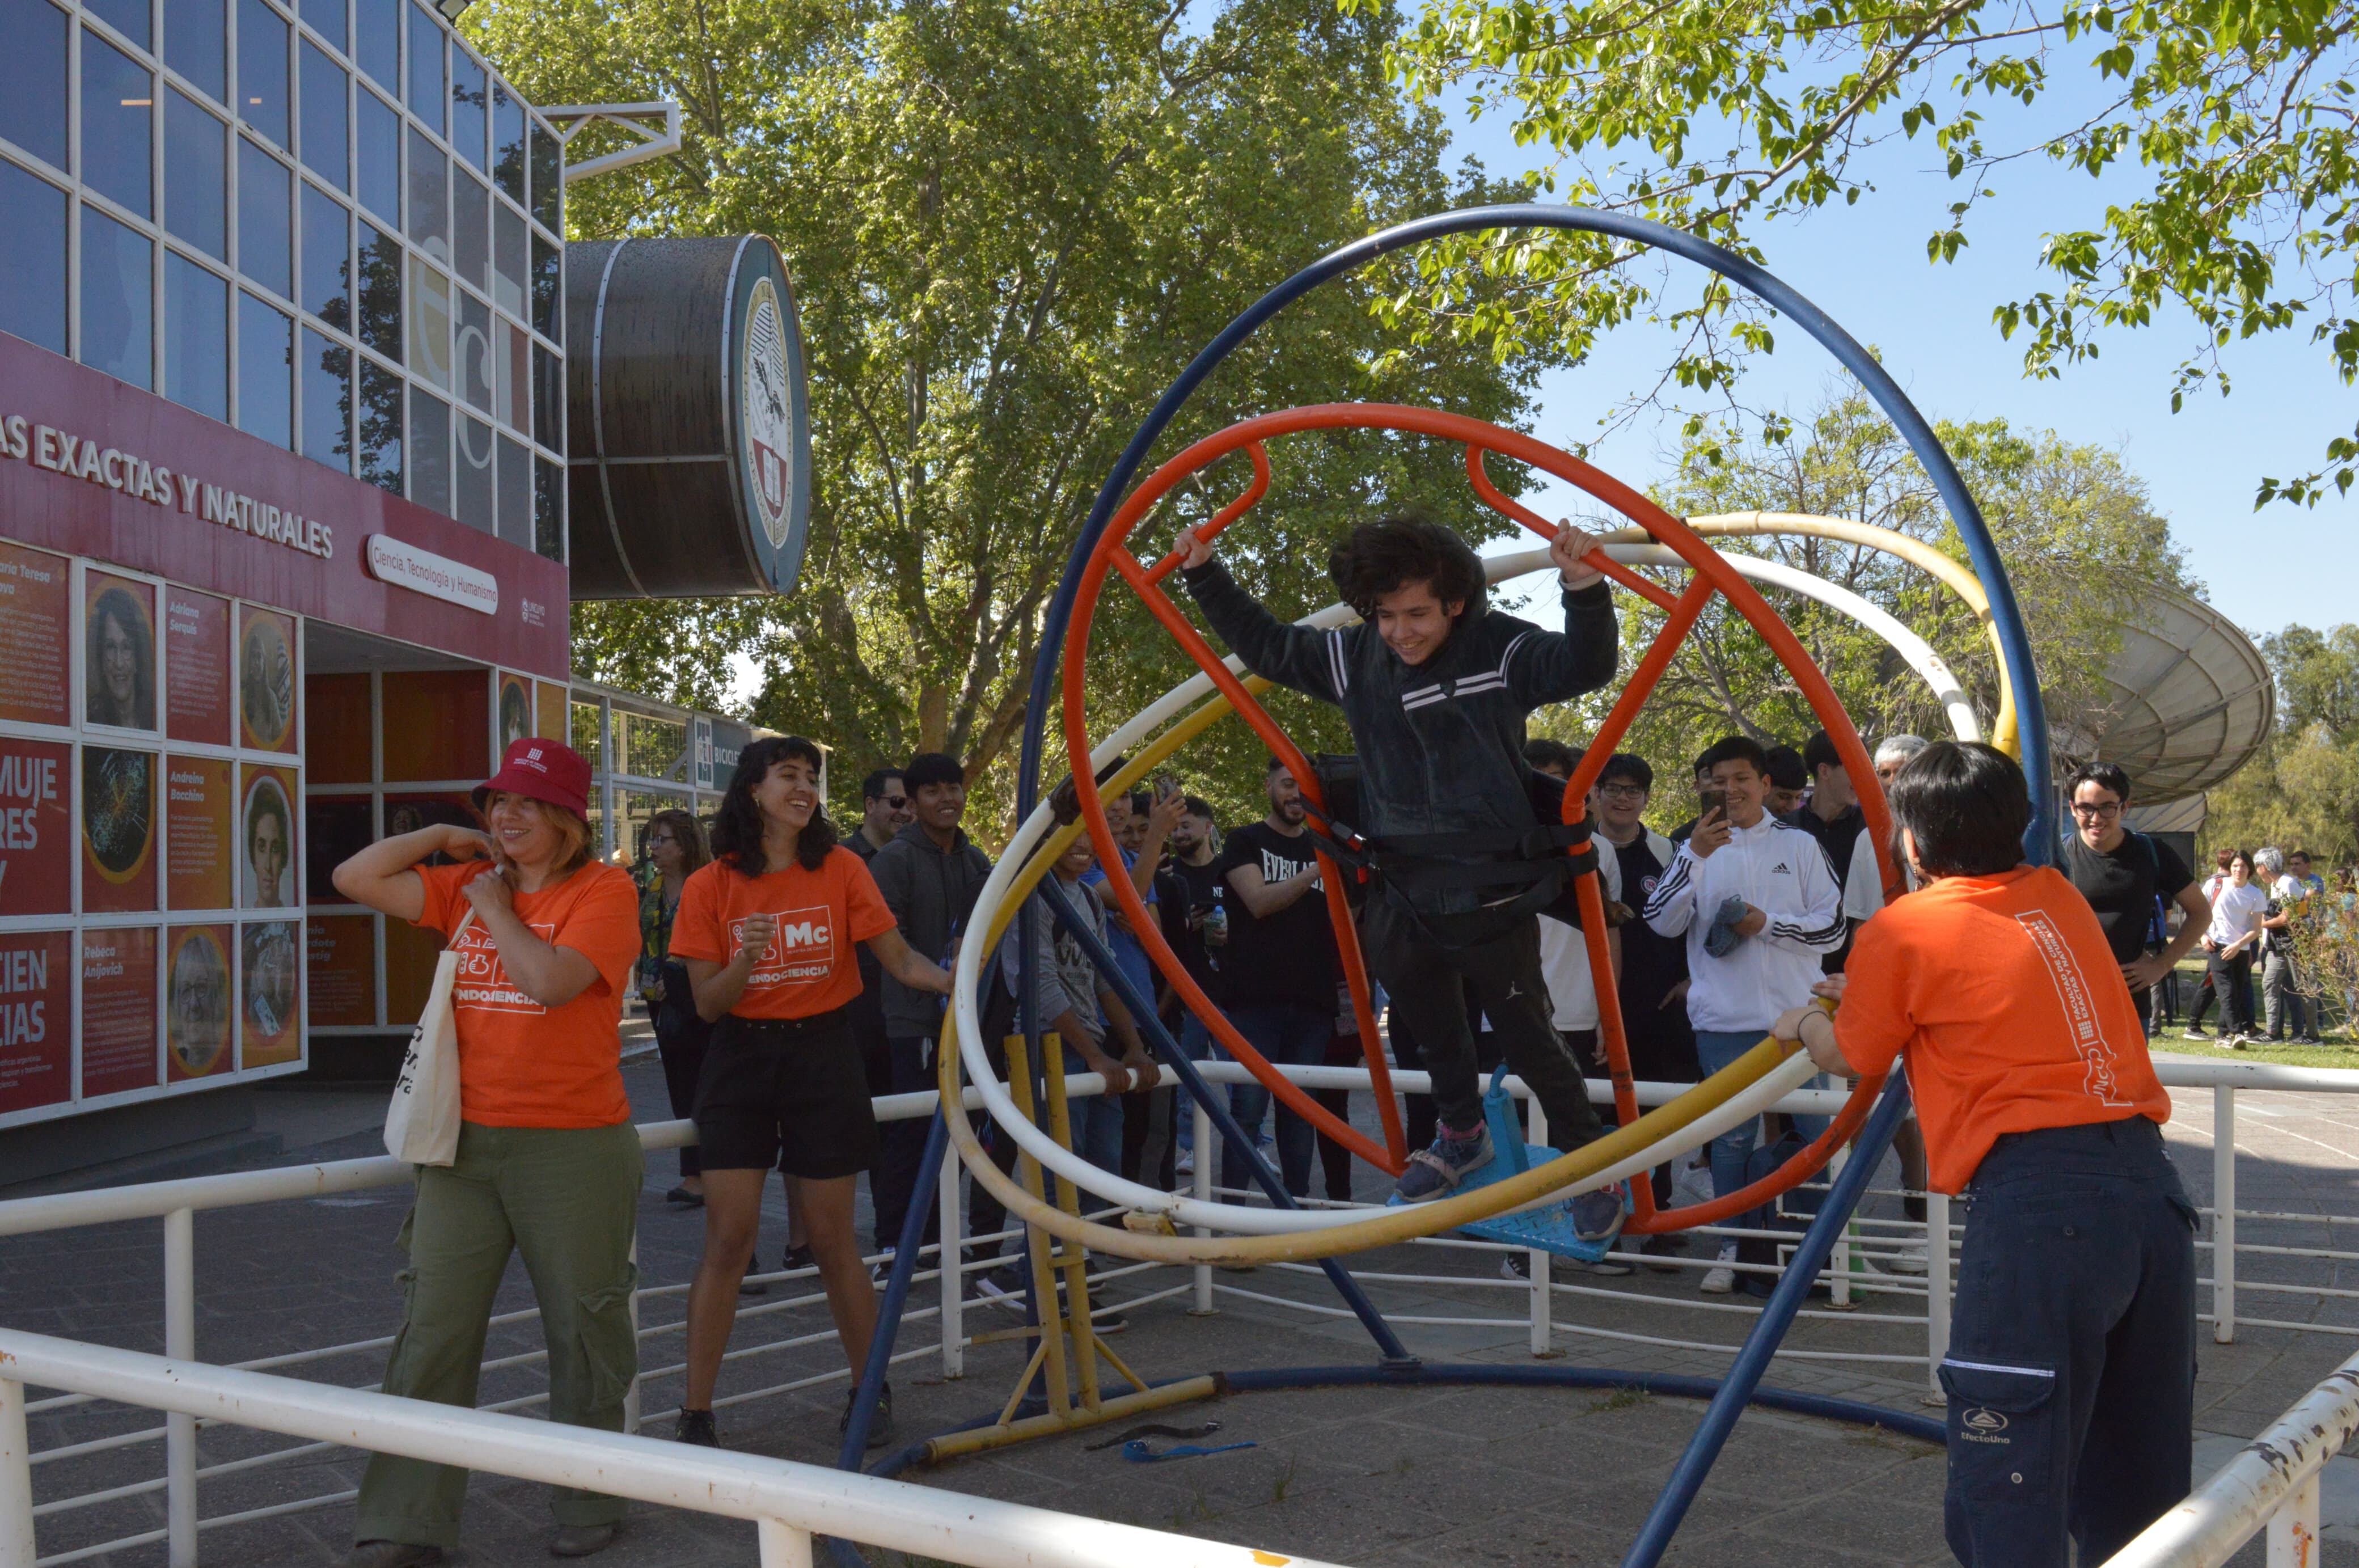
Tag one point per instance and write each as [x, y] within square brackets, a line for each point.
[790, 1029]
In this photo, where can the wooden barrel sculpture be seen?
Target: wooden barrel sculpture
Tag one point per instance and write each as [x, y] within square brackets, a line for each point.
[688, 420]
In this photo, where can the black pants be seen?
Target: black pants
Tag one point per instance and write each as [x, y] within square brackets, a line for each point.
[681, 1040]
[2070, 1371]
[890, 1185]
[1419, 1119]
[2231, 980]
[1423, 976]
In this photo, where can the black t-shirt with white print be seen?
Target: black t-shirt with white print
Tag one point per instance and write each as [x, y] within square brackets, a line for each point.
[1291, 956]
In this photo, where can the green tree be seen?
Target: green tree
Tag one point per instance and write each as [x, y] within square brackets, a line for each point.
[2075, 525]
[1009, 224]
[2301, 790]
[2229, 132]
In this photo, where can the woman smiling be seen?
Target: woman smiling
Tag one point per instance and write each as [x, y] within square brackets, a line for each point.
[549, 1163]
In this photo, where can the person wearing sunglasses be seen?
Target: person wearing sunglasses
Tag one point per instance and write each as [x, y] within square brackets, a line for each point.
[2128, 878]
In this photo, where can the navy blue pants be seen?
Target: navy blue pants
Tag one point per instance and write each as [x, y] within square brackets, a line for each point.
[2070, 1372]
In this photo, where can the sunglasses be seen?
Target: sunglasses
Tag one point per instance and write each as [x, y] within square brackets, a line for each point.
[895, 801]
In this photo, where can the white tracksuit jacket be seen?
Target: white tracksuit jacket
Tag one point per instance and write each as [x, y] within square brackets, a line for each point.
[1782, 872]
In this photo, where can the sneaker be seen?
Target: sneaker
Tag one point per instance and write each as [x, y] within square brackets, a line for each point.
[2309, 1039]
[1597, 1216]
[798, 1258]
[1655, 1250]
[392, 1554]
[1910, 1260]
[583, 1540]
[1435, 1172]
[1186, 1164]
[696, 1428]
[1002, 1287]
[881, 1270]
[1720, 1280]
[880, 1425]
[2195, 1033]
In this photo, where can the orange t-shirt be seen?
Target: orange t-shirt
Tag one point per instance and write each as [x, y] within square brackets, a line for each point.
[2006, 1002]
[822, 915]
[521, 1063]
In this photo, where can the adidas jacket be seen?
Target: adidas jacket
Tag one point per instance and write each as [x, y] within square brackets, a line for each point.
[1782, 872]
[1441, 744]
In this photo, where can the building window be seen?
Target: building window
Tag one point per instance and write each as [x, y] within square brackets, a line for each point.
[515, 494]
[511, 260]
[380, 159]
[265, 371]
[476, 489]
[548, 399]
[470, 107]
[471, 227]
[427, 83]
[429, 198]
[548, 508]
[507, 142]
[376, 37]
[32, 259]
[380, 425]
[430, 451]
[429, 323]
[129, 17]
[117, 97]
[196, 337]
[261, 70]
[327, 258]
[118, 300]
[33, 78]
[196, 175]
[265, 219]
[380, 276]
[196, 43]
[327, 401]
[548, 181]
[325, 152]
[475, 353]
[514, 396]
[327, 19]
[546, 304]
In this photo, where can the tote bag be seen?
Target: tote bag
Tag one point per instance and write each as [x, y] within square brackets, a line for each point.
[421, 1125]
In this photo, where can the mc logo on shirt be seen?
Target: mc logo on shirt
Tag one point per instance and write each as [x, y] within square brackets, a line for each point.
[483, 982]
[802, 954]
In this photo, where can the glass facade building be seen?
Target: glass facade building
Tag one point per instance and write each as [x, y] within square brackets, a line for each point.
[327, 222]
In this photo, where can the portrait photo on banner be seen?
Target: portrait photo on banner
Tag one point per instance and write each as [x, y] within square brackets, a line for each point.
[118, 652]
[197, 1004]
[267, 840]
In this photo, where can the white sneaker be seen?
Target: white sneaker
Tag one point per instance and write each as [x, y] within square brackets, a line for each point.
[1721, 1281]
[1911, 1259]
[1186, 1164]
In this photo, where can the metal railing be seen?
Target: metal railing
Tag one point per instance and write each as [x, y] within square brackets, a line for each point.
[1548, 1308]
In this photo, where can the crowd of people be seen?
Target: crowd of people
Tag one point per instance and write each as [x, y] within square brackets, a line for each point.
[793, 972]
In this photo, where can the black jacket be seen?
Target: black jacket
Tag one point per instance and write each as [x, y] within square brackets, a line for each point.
[930, 891]
[1441, 744]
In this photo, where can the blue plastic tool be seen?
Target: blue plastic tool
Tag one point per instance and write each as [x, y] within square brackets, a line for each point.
[1550, 1227]
[1137, 1452]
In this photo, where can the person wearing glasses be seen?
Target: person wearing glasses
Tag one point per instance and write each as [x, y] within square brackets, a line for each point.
[2128, 878]
[885, 810]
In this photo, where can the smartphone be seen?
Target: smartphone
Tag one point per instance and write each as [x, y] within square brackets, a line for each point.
[1166, 787]
[1714, 800]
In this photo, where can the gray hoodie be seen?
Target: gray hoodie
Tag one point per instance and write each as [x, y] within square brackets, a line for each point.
[930, 891]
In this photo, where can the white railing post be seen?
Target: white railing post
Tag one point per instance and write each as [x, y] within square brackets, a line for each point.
[952, 1258]
[631, 1395]
[15, 1479]
[179, 1429]
[1839, 1286]
[1208, 1155]
[2224, 1214]
[783, 1546]
[2292, 1530]
[1937, 1286]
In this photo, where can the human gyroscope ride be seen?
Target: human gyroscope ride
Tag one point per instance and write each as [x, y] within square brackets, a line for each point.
[1522, 1196]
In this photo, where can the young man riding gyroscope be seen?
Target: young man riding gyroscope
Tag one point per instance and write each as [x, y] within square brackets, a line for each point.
[1436, 687]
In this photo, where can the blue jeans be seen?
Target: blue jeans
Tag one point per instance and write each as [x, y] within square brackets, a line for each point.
[1196, 1045]
[2070, 1371]
[1097, 1121]
[1715, 1049]
[1291, 1035]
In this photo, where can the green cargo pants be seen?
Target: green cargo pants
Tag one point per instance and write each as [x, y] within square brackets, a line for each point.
[568, 1199]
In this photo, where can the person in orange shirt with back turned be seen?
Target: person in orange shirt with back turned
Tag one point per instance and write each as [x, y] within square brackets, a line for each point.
[549, 1163]
[2070, 1369]
[766, 932]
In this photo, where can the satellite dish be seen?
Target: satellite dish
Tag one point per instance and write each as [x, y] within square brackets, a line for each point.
[2190, 701]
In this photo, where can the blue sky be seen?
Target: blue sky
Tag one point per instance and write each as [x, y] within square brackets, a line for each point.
[1866, 266]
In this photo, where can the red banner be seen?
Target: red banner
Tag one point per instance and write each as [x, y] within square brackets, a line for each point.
[36, 827]
[92, 466]
[270, 1002]
[341, 950]
[269, 874]
[196, 667]
[118, 1011]
[266, 679]
[35, 599]
[198, 859]
[118, 633]
[35, 1019]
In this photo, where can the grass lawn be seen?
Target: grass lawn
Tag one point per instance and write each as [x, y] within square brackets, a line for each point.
[2340, 1049]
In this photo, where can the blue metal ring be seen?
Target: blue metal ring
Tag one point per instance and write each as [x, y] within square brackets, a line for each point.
[1982, 550]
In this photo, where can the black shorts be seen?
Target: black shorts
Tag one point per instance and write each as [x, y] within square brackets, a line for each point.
[789, 1091]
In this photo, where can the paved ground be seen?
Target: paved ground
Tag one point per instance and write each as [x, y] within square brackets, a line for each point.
[1361, 1475]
